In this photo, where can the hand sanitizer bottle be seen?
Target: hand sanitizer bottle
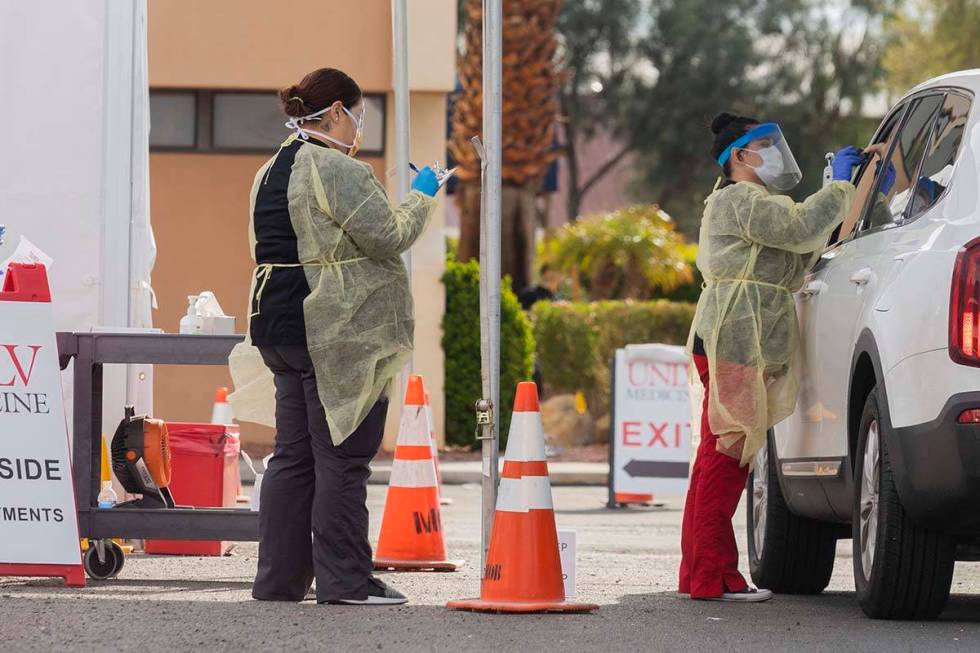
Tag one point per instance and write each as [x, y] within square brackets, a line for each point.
[191, 323]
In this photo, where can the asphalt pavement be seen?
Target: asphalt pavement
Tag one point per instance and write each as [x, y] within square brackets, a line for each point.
[627, 561]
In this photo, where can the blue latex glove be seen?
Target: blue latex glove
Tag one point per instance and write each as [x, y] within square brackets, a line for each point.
[844, 162]
[426, 182]
[889, 180]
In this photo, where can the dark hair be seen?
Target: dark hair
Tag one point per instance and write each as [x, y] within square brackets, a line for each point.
[319, 90]
[728, 128]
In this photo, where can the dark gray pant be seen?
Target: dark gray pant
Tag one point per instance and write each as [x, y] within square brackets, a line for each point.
[312, 485]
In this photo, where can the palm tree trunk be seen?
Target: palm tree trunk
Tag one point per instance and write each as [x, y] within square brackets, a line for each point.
[468, 202]
[531, 83]
[518, 221]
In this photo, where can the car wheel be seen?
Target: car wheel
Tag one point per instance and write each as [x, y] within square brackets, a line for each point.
[901, 571]
[788, 554]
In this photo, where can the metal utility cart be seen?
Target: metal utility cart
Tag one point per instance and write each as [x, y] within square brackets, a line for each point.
[90, 352]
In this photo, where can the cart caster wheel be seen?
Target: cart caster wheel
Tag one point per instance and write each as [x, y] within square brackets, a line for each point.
[120, 559]
[111, 565]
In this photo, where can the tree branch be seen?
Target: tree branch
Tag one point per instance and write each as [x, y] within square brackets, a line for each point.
[570, 133]
[605, 168]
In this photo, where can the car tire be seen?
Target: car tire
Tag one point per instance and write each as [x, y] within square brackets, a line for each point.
[911, 568]
[797, 553]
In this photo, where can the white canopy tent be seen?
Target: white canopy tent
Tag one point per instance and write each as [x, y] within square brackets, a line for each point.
[75, 181]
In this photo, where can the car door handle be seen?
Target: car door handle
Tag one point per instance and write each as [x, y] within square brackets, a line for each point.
[812, 288]
[861, 277]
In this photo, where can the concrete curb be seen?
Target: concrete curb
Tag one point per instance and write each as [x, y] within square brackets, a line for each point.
[459, 473]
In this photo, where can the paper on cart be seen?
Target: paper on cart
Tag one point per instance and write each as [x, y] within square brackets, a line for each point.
[213, 319]
[26, 252]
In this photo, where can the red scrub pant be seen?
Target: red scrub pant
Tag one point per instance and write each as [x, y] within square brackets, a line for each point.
[709, 555]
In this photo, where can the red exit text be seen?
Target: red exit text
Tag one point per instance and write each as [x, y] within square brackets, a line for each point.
[669, 435]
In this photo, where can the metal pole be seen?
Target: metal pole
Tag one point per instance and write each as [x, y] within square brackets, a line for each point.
[490, 253]
[399, 26]
[399, 32]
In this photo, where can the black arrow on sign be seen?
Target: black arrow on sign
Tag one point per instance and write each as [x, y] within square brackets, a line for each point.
[656, 469]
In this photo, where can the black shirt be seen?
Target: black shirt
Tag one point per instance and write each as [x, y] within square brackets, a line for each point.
[532, 295]
[698, 347]
[280, 316]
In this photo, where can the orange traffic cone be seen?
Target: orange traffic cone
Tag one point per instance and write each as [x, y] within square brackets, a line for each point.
[411, 529]
[221, 414]
[443, 499]
[221, 411]
[523, 571]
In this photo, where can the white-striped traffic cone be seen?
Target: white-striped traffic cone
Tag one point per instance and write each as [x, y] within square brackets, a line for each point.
[523, 571]
[443, 499]
[411, 529]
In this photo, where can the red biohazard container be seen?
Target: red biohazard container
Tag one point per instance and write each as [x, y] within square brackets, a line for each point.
[204, 461]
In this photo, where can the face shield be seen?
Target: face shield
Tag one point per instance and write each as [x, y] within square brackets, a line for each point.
[768, 153]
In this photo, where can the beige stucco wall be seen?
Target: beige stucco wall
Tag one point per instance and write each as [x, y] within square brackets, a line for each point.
[199, 202]
[431, 44]
[262, 44]
[258, 43]
[428, 112]
[431, 76]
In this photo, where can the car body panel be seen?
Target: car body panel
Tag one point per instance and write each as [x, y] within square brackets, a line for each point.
[897, 318]
[919, 386]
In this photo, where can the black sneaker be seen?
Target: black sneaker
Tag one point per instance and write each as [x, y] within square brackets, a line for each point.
[379, 593]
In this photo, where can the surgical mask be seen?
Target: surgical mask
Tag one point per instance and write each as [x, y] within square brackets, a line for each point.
[352, 148]
[772, 165]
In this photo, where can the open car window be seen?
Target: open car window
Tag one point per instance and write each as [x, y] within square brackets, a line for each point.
[896, 181]
[864, 180]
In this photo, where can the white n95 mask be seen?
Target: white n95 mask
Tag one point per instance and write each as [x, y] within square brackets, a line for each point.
[772, 165]
[352, 148]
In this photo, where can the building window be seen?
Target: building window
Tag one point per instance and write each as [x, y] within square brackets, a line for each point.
[247, 121]
[172, 120]
[238, 121]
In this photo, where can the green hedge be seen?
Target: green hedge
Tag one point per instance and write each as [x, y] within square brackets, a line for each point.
[687, 292]
[576, 341]
[461, 346]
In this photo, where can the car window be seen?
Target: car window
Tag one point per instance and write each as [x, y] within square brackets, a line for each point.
[937, 166]
[895, 186]
[864, 180]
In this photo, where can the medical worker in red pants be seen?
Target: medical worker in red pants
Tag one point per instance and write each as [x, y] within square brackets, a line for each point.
[755, 247]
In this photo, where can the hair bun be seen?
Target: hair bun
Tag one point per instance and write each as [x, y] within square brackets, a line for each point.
[318, 91]
[721, 121]
[292, 104]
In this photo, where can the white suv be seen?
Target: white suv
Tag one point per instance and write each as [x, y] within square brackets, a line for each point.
[884, 446]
